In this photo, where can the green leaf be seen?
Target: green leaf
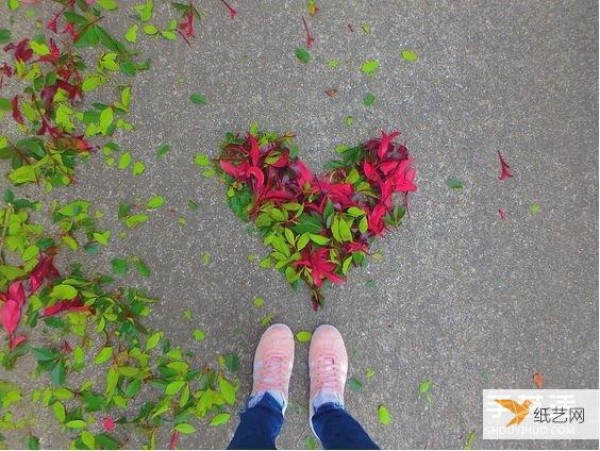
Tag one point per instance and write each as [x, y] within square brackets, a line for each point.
[228, 390]
[369, 67]
[104, 355]
[425, 386]
[259, 301]
[124, 161]
[332, 63]
[150, 29]
[155, 202]
[76, 424]
[220, 419]
[88, 439]
[138, 168]
[198, 99]
[33, 442]
[355, 384]
[102, 237]
[304, 336]
[153, 340]
[145, 10]
[63, 292]
[135, 220]
[470, 440]
[302, 55]
[141, 268]
[356, 212]
[39, 49]
[106, 120]
[365, 28]
[384, 415]
[174, 387]
[119, 266]
[310, 442]
[369, 373]
[59, 411]
[363, 225]
[455, 183]
[202, 160]
[24, 174]
[369, 99]
[535, 208]
[185, 428]
[199, 335]
[4, 36]
[409, 55]
[205, 258]
[163, 150]
[349, 121]
[131, 35]
[231, 361]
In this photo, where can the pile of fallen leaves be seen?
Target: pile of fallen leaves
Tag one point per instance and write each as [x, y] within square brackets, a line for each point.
[317, 225]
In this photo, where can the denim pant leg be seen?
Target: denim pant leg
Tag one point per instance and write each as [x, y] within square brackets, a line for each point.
[259, 425]
[336, 429]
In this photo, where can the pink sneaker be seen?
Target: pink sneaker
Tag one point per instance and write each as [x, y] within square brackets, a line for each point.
[273, 362]
[328, 366]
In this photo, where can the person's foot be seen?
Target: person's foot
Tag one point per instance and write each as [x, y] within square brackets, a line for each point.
[273, 362]
[328, 366]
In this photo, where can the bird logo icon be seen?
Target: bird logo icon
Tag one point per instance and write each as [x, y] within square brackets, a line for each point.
[520, 410]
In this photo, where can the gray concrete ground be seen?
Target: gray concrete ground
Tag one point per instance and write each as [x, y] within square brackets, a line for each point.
[460, 296]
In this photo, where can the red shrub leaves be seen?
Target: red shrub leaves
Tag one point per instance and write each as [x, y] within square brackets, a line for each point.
[317, 225]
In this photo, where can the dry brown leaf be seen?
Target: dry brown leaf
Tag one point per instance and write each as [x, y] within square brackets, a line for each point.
[331, 92]
[538, 380]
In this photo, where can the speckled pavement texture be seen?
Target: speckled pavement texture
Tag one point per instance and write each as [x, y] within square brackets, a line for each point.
[459, 296]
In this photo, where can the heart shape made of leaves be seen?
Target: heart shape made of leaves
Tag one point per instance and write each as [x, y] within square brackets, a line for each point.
[317, 225]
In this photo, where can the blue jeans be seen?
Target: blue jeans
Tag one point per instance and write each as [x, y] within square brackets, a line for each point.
[260, 425]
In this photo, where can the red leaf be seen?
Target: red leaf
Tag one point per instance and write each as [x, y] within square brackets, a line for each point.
[16, 292]
[254, 150]
[504, 168]
[375, 219]
[10, 315]
[22, 52]
[384, 144]
[501, 213]
[109, 424]
[44, 269]
[259, 176]
[16, 112]
[16, 341]
[174, 440]
[232, 170]
[232, 12]
[309, 38]
[64, 306]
